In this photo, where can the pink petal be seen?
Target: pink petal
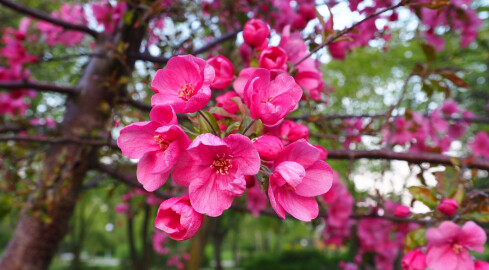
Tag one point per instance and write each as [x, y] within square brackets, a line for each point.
[187, 69]
[273, 201]
[289, 172]
[145, 172]
[445, 233]
[164, 115]
[206, 197]
[302, 208]
[301, 152]
[472, 237]
[318, 180]
[167, 82]
[244, 153]
[137, 139]
[444, 258]
[175, 102]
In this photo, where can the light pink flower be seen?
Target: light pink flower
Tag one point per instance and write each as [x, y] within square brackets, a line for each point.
[178, 219]
[159, 238]
[255, 32]
[157, 143]
[214, 169]
[273, 58]
[298, 176]
[184, 84]
[224, 71]
[448, 245]
[414, 260]
[122, 208]
[269, 147]
[448, 207]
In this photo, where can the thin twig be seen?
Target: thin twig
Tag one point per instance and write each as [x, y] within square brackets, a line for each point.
[39, 86]
[208, 122]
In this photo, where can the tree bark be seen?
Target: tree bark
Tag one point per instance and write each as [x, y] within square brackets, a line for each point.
[44, 221]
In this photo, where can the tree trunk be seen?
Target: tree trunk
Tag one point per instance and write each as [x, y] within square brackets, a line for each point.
[44, 221]
[197, 247]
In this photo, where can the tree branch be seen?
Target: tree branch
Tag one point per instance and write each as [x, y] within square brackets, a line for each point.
[90, 142]
[474, 119]
[162, 60]
[40, 86]
[416, 158]
[332, 39]
[48, 18]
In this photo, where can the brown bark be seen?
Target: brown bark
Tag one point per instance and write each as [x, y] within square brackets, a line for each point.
[44, 221]
[198, 244]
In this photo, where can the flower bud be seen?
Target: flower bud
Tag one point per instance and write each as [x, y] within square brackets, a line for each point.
[178, 218]
[268, 147]
[448, 207]
[224, 71]
[307, 11]
[255, 32]
[273, 58]
[402, 211]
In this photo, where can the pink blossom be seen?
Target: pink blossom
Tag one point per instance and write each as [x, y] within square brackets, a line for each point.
[224, 71]
[255, 32]
[271, 99]
[402, 211]
[178, 219]
[184, 84]
[450, 107]
[298, 176]
[307, 11]
[273, 58]
[448, 245]
[414, 260]
[268, 147]
[225, 102]
[256, 200]
[157, 143]
[448, 207]
[122, 208]
[480, 145]
[243, 77]
[340, 203]
[312, 82]
[159, 238]
[348, 266]
[214, 169]
[434, 40]
[323, 153]
[54, 34]
[109, 16]
[480, 265]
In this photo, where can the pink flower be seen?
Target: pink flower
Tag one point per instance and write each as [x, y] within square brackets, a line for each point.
[157, 143]
[480, 265]
[178, 219]
[298, 176]
[448, 245]
[290, 132]
[159, 238]
[109, 16]
[480, 145]
[184, 84]
[448, 207]
[273, 58]
[214, 169]
[312, 82]
[243, 77]
[224, 71]
[271, 100]
[268, 147]
[225, 102]
[122, 208]
[450, 107]
[256, 200]
[402, 211]
[307, 11]
[255, 32]
[414, 260]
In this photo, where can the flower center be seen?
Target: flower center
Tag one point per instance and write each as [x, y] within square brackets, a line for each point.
[186, 91]
[457, 248]
[161, 142]
[269, 99]
[222, 164]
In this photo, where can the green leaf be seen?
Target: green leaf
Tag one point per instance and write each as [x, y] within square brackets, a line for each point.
[423, 195]
[415, 239]
[204, 124]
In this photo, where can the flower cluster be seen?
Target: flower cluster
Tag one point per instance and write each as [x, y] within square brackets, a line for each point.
[243, 142]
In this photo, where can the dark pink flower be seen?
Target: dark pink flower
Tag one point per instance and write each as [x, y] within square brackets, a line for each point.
[178, 219]
[269, 147]
[414, 260]
[214, 169]
[402, 211]
[255, 32]
[273, 58]
[271, 100]
[158, 143]
[312, 82]
[290, 132]
[225, 102]
[307, 11]
[298, 176]
[448, 245]
[480, 265]
[450, 107]
[448, 207]
[184, 84]
[480, 145]
[224, 71]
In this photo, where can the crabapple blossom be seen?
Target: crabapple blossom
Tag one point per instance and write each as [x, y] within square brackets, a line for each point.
[402, 211]
[178, 219]
[184, 84]
[448, 245]
[271, 99]
[214, 169]
[448, 206]
[268, 147]
[298, 176]
[480, 145]
[158, 143]
[414, 260]
[273, 58]
[224, 71]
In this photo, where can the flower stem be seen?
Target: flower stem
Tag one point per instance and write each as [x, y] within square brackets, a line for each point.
[208, 122]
